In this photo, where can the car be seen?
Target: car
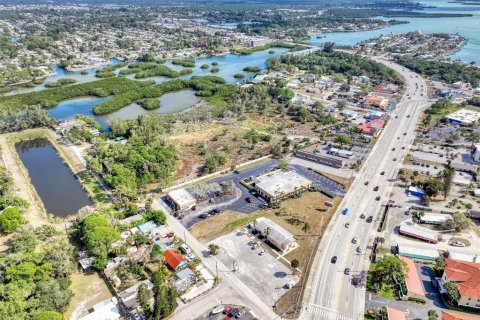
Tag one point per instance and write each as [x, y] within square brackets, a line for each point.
[227, 310]
[203, 216]
[394, 159]
[190, 257]
[249, 199]
[345, 211]
[376, 188]
[396, 116]
[408, 116]
[369, 219]
[407, 213]
[234, 312]
[227, 318]
[366, 183]
[217, 309]
[185, 249]
[362, 216]
[422, 164]
[355, 281]
[398, 138]
[427, 165]
[240, 313]
[393, 149]
[262, 252]
[435, 167]
[254, 246]
[347, 225]
[359, 249]
[382, 173]
[334, 259]
[404, 133]
[403, 148]
[377, 198]
[354, 240]
[457, 244]
[347, 271]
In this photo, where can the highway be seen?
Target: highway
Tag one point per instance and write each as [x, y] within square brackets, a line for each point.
[332, 295]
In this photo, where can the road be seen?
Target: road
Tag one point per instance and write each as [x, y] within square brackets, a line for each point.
[332, 294]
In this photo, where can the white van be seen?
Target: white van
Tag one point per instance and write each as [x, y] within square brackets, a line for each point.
[185, 249]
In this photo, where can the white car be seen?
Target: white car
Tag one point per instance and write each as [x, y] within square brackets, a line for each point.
[457, 244]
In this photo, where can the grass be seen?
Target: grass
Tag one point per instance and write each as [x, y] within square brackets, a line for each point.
[101, 197]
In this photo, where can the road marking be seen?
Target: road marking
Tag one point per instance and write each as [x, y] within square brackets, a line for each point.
[318, 312]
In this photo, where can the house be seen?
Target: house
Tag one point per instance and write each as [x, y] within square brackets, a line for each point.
[376, 101]
[128, 298]
[184, 279]
[412, 230]
[279, 184]
[451, 315]
[395, 314]
[473, 214]
[174, 260]
[375, 115]
[276, 235]
[464, 256]
[181, 199]
[412, 280]
[467, 276]
[147, 227]
[372, 127]
[415, 191]
[349, 114]
[105, 310]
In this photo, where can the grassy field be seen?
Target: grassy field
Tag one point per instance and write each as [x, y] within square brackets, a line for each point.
[310, 207]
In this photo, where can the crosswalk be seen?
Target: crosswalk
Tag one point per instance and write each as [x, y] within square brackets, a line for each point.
[316, 312]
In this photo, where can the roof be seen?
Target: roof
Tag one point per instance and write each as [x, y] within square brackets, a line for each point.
[467, 276]
[147, 226]
[129, 295]
[185, 273]
[464, 256]
[375, 124]
[279, 181]
[464, 116]
[414, 284]
[374, 98]
[182, 197]
[416, 252]
[411, 229]
[105, 310]
[435, 217]
[277, 234]
[394, 314]
[450, 315]
[173, 259]
[415, 190]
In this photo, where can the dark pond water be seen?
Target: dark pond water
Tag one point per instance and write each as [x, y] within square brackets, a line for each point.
[60, 191]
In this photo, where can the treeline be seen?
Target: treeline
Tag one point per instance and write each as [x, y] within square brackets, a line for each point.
[329, 63]
[60, 83]
[449, 72]
[356, 13]
[275, 44]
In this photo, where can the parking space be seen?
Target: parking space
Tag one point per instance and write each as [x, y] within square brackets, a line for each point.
[264, 274]
[215, 314]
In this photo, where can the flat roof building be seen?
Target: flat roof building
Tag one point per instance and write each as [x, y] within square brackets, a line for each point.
[105, 310]
[434, 218]
[181, 199]
[417, 252]
[410, 229]
[279, 184]
[464, 117]
[320, 158]
[275, 234]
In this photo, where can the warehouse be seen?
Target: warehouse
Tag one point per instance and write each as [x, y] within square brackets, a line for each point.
[279, 184]
[434, 218]
[412, 230]
[417, 253]
[181, 199]
[320, 158]
[276, 235]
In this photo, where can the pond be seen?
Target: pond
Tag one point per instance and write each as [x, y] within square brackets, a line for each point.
[60, 191]
[169, 103]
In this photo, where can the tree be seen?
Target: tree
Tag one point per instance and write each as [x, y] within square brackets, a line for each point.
[328, 47]
[432, 187]
[433, 315]
[158, 216]
[54, 294]
[440, 263]
[48, 315]
[24, 241]
[213, 248]
[381, 240]
[459, 222]
[426, 200]
[451, 289]
[144, 296]
[295, 263]
[342, 139]
[283, 165]
[447, 180]
[306, 226]
[61, 256]
[156, 252]
[387, 268]
[10, 220]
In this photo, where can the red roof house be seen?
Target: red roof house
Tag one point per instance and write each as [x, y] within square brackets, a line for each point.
[372, 127]
[174, 260]
[414, 284]
[394, 314]
[449, 315]
[467, 276]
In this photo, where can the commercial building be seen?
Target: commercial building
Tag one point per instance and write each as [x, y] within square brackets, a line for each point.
[320, 158]
[341, 153]
[416, 252]
[107, 309]
[412, 230]
[373, 127]
[434, 218]
[174, 260]
[467, 276]
[376, 101]
[279, 184]
[276, 235]
[412, 280]
[181, 199]
[464, 117]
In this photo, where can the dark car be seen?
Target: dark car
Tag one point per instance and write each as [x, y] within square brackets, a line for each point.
[362, 216]
[370, 219]
[382, 173]
[334, 259]
[203, 216]
[234, 312]
[393, 149]
[377, 198]
[249, 199]
[376, 188]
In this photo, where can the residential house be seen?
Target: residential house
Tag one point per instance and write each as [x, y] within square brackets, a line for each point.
[128, 298]
[376, 101]
[412, 280]
[184, 279]
[372, 127]
[105, 310]
[467, 277]
[174, 260]
[395, 314]
[451, 315]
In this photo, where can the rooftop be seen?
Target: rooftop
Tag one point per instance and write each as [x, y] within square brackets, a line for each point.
[106, 309]
[464, 116]
[280, 181]
[173, 259]
[414, 284]
[450, 315]
[182, 197]
[467, 276]
[412, 251]
[413, 229]
[394, 314]
[277, 234]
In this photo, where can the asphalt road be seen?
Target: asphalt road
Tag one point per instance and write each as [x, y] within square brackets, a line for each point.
[332, 294]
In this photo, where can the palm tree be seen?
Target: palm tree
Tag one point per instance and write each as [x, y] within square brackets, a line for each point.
[306, 226]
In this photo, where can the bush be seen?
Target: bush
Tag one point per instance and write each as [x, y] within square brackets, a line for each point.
[252, 69]
[417, 300]
[239, 76]
[295, 263]
[215, 70]
[204, 66]
[149, 104]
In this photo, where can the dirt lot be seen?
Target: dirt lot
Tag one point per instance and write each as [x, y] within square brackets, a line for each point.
[88, 289]
[310, 205]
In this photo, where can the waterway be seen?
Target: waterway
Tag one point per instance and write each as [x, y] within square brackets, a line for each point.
[59, 190]
[169, 103]
[468, 27]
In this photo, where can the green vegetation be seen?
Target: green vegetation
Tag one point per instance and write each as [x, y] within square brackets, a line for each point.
[204, 66]
[60, 83]
[329, 63]
[10, 220]
[109, 71]
[187, 63]
[215, 70]
[438, 110]
[35, 282]
[239, 75]
[213, 248]
[161, 70]
[214, 63]
[384, 275]
[275, 44]
[252, 69]
[214, 162]
[452, 292]
[149, 104]
[449, 72]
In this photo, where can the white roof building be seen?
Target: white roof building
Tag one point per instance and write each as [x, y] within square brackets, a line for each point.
[464, 256]
[182, 199]
[435, 218]
[280, 183]
[278, 236]
[413, 230]
[105, 310]
[417, 252]
[464, 116]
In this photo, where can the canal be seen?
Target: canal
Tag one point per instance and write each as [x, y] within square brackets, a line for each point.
[58, 188]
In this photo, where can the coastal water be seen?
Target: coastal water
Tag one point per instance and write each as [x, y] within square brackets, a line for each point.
[468, 27]
[59, 190]
[169, 103]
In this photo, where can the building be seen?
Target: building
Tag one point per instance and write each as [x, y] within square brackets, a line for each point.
[417, 253]
[464, 117]
[412, 230]
[147, 227]
[473, 214]
[372, 128]
[105, 310]
[412, 280]
[341, 153]
[128, 298]
[415, 191]
[184, 279]
[181, 199]
[451, 315]
[375, 115]
[276, 235]
[349, 114]
[307, 77]
[279, 184]
[320, 158]
[434, 218]
[376, 101]
[464, 256]
[395, 314]
[467, 277]
[174, 260]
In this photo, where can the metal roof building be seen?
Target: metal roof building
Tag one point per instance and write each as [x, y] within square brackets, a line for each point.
[410, 229]
[278, 236]
[435, 218]
[417, 252]
[181, 199]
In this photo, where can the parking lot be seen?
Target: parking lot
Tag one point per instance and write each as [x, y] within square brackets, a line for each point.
[249, 315]
[263, 274]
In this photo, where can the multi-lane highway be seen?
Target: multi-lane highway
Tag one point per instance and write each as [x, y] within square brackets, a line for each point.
[333, 295]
